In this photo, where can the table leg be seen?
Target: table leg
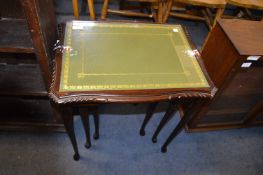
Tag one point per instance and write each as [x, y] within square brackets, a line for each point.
[85, 120]
[167, 116]
[67, 116]
[180, 125]
[147, 118]
[96, 118]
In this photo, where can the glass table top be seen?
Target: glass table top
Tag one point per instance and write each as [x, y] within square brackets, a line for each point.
[127, 56]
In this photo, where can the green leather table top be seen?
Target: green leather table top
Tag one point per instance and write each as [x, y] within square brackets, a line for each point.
[125, 56]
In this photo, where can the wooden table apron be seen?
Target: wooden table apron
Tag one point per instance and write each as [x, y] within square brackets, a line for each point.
[66, 100]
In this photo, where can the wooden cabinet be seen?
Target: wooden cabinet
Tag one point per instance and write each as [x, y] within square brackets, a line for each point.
[233, 58]
[28, 32]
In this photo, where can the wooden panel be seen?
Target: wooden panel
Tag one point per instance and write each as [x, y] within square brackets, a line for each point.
[21, 79]
[11, 9]
[246, 36]
[205, 3]
[219, 58]
[15, 36]
[48, 25]
[239, 97]
[233, 102]
[25, 114]
[253, 4]
[238, 100]
[222, 119]
[17, 58]
[248, 81]
[32, 14]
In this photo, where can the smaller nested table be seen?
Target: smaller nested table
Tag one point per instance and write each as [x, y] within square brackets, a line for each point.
[125, 63]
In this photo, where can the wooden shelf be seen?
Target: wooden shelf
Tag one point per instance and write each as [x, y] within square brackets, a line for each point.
[15, 36]
[24, 114]
[27, 34]
[21, 80]
[12, 9]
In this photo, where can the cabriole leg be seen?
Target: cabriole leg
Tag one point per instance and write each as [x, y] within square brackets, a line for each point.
[147, 118]
[96, 118]
[167, 116]
[85, 121]
[67, 116]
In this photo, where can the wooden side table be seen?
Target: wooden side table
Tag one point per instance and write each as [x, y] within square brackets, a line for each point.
[125, 63]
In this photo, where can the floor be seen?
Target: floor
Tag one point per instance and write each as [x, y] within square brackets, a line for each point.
[120, 150]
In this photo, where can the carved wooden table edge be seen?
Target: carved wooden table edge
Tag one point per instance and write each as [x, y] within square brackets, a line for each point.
[85, 98]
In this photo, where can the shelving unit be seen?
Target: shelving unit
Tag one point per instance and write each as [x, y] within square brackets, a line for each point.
[28, 32]
[239, 100]
[14, 40]
[21, 80]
